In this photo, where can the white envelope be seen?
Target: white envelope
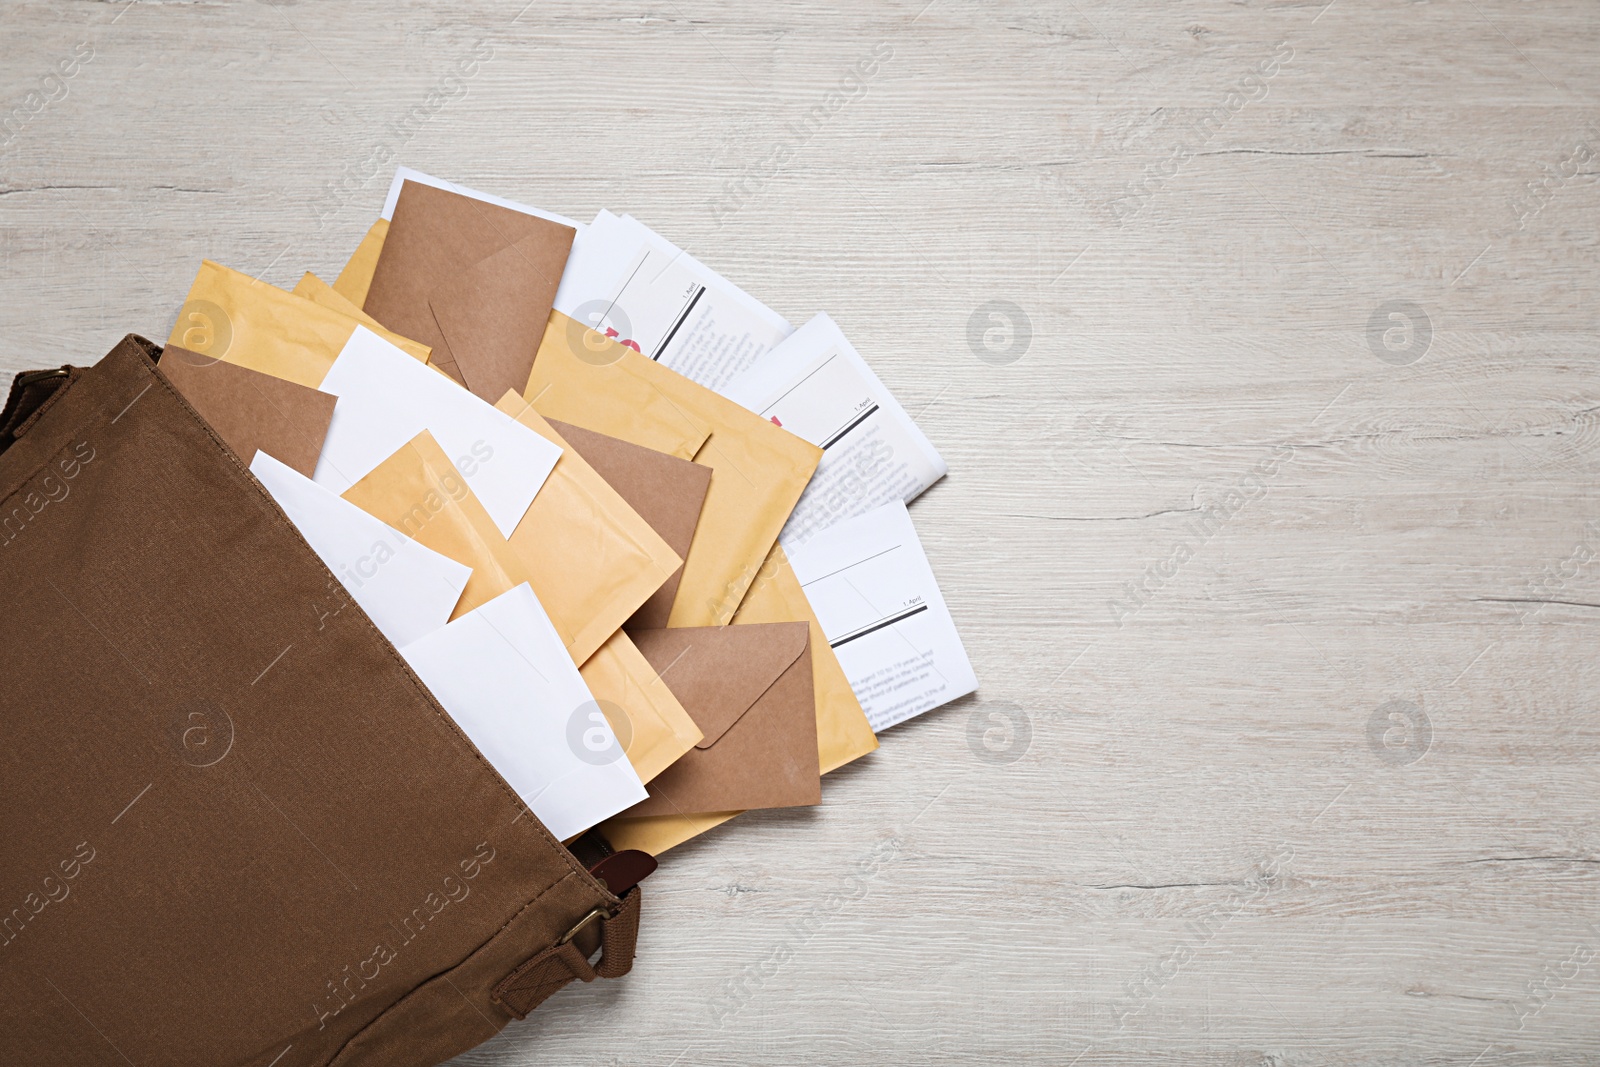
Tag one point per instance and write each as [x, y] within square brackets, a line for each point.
[406, 174]
[878, 603]
[506, 679]
[817, 386]
[408, 590]
[629, 282]
[599, 253]
[386, 398]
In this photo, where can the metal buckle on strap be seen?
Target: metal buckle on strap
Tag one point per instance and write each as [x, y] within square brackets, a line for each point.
[597, 913]
[34, 377]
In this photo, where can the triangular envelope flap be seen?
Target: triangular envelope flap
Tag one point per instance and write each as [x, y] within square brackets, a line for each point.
[667, 492]
[458, 231]
[718, 672]
[493, 313]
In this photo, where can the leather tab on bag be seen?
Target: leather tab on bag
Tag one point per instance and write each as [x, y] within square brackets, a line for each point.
[531, 984]
[621, 938]
[32, 392]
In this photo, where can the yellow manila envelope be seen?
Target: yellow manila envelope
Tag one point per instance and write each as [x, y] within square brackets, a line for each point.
[758, 469]
[356, 278]
[842, 731]
[591, 559]
[232, 317]
[646, 718]
[312, 288]
[418, 492]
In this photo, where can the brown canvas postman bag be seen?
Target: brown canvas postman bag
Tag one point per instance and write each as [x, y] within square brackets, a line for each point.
[234, 827]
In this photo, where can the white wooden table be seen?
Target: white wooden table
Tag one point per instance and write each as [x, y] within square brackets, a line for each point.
[1270, 524]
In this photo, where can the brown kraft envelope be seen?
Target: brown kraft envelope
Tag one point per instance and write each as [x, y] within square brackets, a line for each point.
[666, 491]
[250, 410]
[843, 734]
[657, 422]
[748, 689]
[650, 724]
[472, 280]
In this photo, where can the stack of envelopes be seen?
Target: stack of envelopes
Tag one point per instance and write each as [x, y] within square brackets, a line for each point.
[645, 542]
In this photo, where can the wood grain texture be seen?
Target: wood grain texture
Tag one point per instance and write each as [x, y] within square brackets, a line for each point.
[1165, 832]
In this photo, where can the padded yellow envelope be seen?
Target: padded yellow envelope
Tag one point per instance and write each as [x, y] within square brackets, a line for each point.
[592, 560]
[758, 470]
[653, 727]
[312, 288]
[578, 361]
[418, 492]
[356, 278]
[842, 731]
[233, 317]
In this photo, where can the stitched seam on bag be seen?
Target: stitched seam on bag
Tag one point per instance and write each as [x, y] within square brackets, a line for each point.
[99, 417]
[22, 483]
[468, 958]
[21, 428]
